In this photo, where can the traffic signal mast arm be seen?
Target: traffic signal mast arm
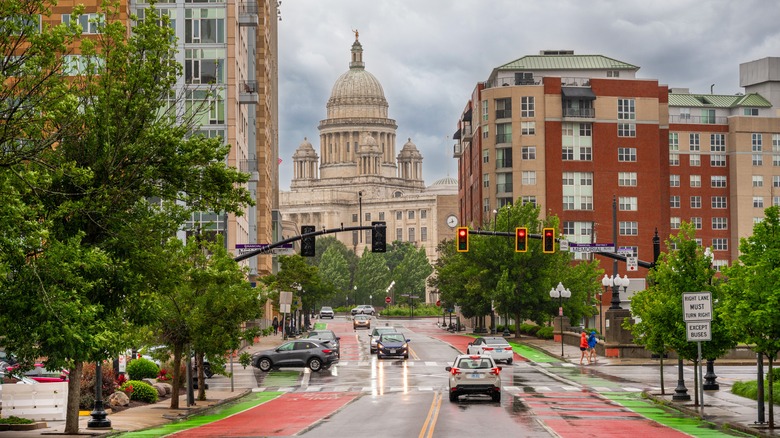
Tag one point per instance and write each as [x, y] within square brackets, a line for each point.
[299, 237]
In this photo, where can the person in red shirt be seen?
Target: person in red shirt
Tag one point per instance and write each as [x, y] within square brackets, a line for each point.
[583, 346]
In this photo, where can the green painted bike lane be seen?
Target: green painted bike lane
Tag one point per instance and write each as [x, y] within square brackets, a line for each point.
[634, 401]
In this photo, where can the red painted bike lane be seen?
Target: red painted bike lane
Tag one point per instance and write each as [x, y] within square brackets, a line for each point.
[585, 414]
[286, 415]
[460, 342]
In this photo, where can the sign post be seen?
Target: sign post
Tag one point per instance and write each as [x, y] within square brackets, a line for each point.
[697, 314]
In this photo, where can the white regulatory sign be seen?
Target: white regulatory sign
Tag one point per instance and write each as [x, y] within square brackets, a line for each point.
[698, 331]
[632, 264]
[697, 306]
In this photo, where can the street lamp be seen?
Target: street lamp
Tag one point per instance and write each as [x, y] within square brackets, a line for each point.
[625, 282]
[560, 292]
[354, 288]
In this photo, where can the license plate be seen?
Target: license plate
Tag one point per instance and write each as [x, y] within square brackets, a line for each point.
[392, 351]
[475, 376]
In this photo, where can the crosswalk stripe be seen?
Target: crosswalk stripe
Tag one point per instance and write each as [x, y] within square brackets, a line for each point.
[601, 389]
[432, 364]
[629, 389]
[570, 388]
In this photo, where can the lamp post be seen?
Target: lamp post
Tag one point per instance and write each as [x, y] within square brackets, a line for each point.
[354, 288]
[607, 282]
[710, 382]
[360, 213]
[625, 282]
[99, 414]
[560, 292]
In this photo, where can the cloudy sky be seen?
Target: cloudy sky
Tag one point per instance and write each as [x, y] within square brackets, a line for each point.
[429, 54]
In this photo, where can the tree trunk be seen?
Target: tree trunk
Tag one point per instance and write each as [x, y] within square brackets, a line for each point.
[517, 324]
[177, 349]
[771, 392]
[201, 377]
[74, 395]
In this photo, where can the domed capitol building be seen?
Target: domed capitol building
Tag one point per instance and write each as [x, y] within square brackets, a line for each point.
[357, 177]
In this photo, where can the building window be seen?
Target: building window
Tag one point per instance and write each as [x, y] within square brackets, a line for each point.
[627, 179]
[674, 201]
[775, 201]
[693, 141]
[485, 180]
[504, 108]
[695, 180]
[627, 154]
[504, 183]
[423, 234]
[696, 222]
[568, 202]
[758, 160]
[627, 203]
[756, 141]
[626, 130]
[368, 217]
[695, 201]
[758, 181]
[719, 202]
[503, 133]
[485, 132]
[718, 181]
[528, 200]
[674, 159]
[528, 152]
[776, 160]
[503, 158]
[204, 66]
[720, 223]
[486, 205]
[399, 234]
[527, 106]
[578, 190]
[529, 177]
[527, 128]
[486, 155]
[567, 153]
[629, 228]
[674, 141]
[674, 180]
[776, 181]
[750, 111]
[412, 235]
[626, 109]
[485, 115]
[613, 73]
[410, 214]
[91, 24]
[354, 218]
[204, 26]
[675, 222]
[381, 215]
[423, 214]
[758, 202]
[717, 142]
[717, 160]
[694, 160]
[708, 116]
[720, 244]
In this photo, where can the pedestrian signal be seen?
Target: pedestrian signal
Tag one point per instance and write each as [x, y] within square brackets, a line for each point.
[548, 240]
[463, 239]
[521, 239]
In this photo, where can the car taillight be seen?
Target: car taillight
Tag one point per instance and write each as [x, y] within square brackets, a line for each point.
[327, 351]
[495, 371]
[488, 348]
[455, 371]
[508, 348]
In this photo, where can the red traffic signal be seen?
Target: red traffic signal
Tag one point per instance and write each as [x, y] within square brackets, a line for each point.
[548, 240]
[463, 239]
[521, 239]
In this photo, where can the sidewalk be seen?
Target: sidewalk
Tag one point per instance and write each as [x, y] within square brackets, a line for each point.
[720, 407]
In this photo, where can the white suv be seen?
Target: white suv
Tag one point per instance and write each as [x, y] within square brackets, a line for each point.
[474, 374]
[363, 309]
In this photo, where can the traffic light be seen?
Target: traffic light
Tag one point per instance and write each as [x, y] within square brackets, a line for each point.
[378, 241]
[521, 239]
[548, 240]
[463, 239]
[307, 243]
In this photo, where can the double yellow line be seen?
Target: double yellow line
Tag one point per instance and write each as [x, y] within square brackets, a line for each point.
[433, 415]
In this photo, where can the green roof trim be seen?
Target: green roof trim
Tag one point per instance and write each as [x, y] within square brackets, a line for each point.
[567, 62]
[718, 100]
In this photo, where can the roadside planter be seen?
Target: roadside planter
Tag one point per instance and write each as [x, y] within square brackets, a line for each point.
[46, 401]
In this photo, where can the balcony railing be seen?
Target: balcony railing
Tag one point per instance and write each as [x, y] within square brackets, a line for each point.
[504, 188]
[503, 138]
[699, 120]
[466, 132]
[456, 152]
[247, 13]
[248, 92]
[579, 112]
[504, 114]
[503, 163]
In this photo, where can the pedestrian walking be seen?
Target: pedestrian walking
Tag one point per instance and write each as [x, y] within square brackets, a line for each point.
[276, 325]
[583, 347]
[592, 341]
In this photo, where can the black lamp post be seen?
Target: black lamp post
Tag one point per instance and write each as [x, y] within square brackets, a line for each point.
[560, 292]
[608, 281]
[99, 414]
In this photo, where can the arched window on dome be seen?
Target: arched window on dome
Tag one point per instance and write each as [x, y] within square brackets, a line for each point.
[397, 194]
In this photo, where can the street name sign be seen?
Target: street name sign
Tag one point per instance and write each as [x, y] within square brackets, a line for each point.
[697, 306]
[245, 248]
[698, 331]
[591, 247]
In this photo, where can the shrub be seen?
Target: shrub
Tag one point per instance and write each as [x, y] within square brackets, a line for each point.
[141, 391]
[545, 333]
[529, 329]
[775, 376]
[87, 393]
[15, 420]
[142, 368]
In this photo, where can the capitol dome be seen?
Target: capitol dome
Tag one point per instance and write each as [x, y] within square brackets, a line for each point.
[357, 93]
[305, 149]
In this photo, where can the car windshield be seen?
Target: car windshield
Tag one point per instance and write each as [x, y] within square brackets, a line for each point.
[379, 331]
[392, 337]
[322, 335]
[361, 317]
[479, 363]
[326, 309]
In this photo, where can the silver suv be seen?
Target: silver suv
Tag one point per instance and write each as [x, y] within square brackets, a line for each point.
[363, 309]
[474, 374]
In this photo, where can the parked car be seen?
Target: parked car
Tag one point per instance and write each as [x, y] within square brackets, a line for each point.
[39, 373]
[328, 337]
[363, 309]
[374, 336]
[392, 344]
[361, 321]
[326, 312]
[496, 347]
[315, 354]
[474, 374]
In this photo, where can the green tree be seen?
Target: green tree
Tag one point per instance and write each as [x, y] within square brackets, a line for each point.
[410, 275]
[94, 196]
[334, 270]
[751, 294]
[372, 277]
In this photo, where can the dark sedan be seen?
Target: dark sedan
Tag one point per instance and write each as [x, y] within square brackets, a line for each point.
[315, 354]
[392, 344]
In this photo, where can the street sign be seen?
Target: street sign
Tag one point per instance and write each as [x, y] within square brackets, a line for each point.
[625, 250]
[564, 245]
[387, 300]
[591, 247]
[285, 298]
[632, 264]
[697, 306]
[698, 331]
[245, 248]
[284, 308]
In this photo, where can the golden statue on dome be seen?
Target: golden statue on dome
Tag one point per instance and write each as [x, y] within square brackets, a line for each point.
[356, 34]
